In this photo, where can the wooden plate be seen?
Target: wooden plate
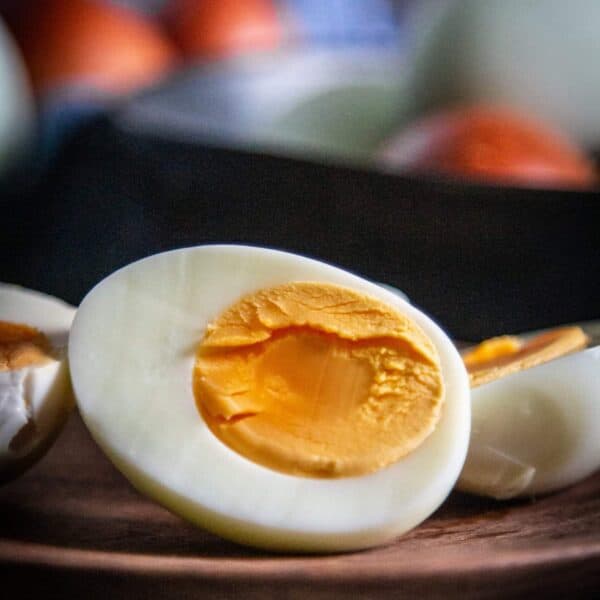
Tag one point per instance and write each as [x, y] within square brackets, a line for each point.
[73, 526]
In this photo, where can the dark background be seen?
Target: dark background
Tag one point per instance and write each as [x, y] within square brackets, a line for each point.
[129, 180]
[482, 260]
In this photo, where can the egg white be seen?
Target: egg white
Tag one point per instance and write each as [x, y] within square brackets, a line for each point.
[40, 394]
[537, 430]
[131, 353]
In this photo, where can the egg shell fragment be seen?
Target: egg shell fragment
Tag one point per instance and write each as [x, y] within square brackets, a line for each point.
[132, 351]
[40, 395]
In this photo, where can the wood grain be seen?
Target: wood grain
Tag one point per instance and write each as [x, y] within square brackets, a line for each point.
[73, 526]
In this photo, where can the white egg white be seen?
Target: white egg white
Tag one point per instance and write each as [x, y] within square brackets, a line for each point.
[39, 397]
[537, 430]
[131, 353]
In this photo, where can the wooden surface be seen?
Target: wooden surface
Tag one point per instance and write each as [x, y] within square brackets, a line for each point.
[73, 527]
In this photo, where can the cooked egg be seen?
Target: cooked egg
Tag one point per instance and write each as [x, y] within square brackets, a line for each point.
[35, 389]
[535, 414]
[270, 398]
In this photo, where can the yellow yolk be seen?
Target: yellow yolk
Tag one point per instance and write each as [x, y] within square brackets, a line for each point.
[492, 349]
[318, 380]
[22, 346]
[497, 357]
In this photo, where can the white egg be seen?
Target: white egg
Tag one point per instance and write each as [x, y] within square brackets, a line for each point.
[131, 351]
[535, 56]
[537, 430]
[34, 400]
[16, 103]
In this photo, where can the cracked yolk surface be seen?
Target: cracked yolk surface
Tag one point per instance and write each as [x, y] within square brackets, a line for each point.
[318, 380]
[500, 356]
[22, 346]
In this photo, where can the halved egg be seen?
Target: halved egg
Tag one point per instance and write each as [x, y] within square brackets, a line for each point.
[273, 399]
[535, 413]
[35, 389]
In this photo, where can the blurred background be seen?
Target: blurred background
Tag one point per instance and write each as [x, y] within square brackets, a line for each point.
[445, 147]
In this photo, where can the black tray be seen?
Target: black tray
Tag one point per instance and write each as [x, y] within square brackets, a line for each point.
[481, 260]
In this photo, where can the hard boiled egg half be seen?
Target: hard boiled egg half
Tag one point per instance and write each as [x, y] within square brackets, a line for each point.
[535, 413]
[35, 389]
[273, 399]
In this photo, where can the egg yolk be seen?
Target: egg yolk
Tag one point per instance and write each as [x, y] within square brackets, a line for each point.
[318, 380]
[22, 346]
[497, 357]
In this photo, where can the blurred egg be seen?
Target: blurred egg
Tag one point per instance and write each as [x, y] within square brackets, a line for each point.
[345, 124]
[536, 56]
[241, 388]
[35, 389]
[212, 29]
[489, 144]
[91, 44]
[16, 104]
[535, 414]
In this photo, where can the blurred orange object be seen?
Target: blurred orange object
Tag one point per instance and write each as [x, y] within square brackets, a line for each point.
[491, 144]
[91, 43]
[219, 28]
